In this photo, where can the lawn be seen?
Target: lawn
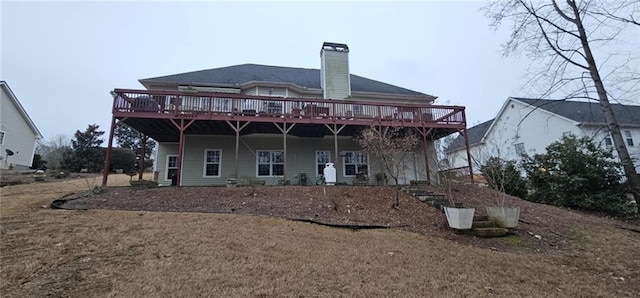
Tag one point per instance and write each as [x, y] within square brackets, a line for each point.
[46, 252]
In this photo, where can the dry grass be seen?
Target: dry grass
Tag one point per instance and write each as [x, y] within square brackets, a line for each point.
[48, 252]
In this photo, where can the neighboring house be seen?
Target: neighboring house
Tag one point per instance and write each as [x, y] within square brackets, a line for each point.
[528, 126]
[18, 133]
[277, 124]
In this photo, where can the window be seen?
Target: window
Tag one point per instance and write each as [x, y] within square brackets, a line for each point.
[358, 110]
[215, 104]
[1, 137]
[355, 162]
[627, 136]
[520, 148]
[273, 107]
[212, 159]
[172, 166]
[607, 141]
[270, 163]
[322, 157]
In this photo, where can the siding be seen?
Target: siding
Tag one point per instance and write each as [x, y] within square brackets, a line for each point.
[300, 158]
[18, 134]
[249, 91]
[272, 91]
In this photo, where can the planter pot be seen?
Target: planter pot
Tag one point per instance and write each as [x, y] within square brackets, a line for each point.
[460, 218]
[504, 217]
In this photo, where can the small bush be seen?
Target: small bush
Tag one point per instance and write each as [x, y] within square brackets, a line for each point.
[504, 176]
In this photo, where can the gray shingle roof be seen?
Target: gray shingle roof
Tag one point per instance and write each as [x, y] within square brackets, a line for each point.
[475, 135]
[586, 112]
[304, 77]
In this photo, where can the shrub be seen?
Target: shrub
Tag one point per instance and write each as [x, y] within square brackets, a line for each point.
[577, 173]
[503, 175]
[123, 158]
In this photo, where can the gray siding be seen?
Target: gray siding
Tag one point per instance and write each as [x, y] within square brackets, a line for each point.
[271, 91]
[18, 135]
[249, 91]
[300, 158]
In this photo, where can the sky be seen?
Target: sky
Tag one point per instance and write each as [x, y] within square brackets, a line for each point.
[61, 59]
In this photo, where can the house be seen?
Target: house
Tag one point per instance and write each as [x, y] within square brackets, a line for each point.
[525, 125]
[276, 125]
[18, 133]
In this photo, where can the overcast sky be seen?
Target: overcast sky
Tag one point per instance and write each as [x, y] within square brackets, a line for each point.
[61, 59]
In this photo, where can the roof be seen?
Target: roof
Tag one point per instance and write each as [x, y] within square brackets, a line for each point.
[306, 78]
[586, 112]
[21, 109]
[475, 135]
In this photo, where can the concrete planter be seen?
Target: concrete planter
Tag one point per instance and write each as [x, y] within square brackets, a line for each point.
[504, 217]
[460, 218]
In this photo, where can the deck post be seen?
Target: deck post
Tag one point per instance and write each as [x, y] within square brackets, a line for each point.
[107, 159]
[335, 130]
[181, 127]
[425, 146]
[284, 131]
[466, 143]
[144, 140]
[237, 128]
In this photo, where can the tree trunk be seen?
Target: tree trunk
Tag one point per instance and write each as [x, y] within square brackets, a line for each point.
[612, 123]
[397, 204]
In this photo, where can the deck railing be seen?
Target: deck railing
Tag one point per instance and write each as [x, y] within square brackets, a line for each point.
[231, 105]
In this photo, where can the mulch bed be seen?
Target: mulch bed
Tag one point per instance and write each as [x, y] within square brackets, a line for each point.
[542, 228]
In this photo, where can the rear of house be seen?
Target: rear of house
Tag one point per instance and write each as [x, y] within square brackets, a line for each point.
[278, 125]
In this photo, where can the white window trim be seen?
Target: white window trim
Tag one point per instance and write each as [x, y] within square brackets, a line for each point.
[344, 164]
[610, 141]
[628, 138]
[316, 159]
[270, 163]
[166, 168]
[204, 168]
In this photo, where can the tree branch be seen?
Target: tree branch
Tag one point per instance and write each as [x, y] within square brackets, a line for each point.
[561, 13]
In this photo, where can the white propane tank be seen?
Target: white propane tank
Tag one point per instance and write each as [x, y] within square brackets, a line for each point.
[330, 174]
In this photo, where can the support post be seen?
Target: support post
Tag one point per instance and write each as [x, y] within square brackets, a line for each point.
[425, 147]
[107, 159]
[237, 128]
[143, 153]
[284, 131]
[466, 143]
[182, 127]
[335, 130]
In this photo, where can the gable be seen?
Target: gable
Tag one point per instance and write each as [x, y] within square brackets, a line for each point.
[13, 100]
[475, 133]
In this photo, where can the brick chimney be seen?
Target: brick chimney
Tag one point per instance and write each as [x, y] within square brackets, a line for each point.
[334, 70]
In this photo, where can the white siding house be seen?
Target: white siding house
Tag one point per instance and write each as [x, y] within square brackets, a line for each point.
[530, 125]
[18, 133]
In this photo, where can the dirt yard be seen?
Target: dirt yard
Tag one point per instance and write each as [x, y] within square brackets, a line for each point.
[188, 252]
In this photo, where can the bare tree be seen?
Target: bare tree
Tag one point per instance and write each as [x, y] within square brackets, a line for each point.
[53, 150]
[393, 148]
[561, 38]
